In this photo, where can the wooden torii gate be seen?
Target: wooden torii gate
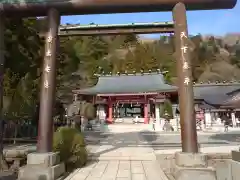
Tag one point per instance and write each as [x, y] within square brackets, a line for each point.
[53, 9]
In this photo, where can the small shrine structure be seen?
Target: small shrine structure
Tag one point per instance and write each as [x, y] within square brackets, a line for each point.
[216, 101]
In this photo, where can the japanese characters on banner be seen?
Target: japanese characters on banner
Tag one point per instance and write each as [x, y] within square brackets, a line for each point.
[47, 67]
[184, 50]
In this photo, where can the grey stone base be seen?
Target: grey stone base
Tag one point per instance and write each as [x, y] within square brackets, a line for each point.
[236, 156]
[42, 166]
[235, 169]
[189, 166]
[229, 169]
[223, 170]
[6, 175]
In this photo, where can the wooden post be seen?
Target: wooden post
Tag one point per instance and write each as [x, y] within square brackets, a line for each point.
[110, 111]
[2, 60]
[145, 113]
[48, 86]
[184, 70]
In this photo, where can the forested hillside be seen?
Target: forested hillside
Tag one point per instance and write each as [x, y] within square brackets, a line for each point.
[213, 59]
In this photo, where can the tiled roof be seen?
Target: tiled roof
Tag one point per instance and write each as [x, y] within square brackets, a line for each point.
[233, 101]
[135, 83]
[212, 94]
[215, 94]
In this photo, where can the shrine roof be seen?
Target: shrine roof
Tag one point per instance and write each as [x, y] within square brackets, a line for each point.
[215, 94]
[129, 84]
[233, 101]
[211, 93]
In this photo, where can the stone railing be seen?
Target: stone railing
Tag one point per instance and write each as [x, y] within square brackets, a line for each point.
[16, 156]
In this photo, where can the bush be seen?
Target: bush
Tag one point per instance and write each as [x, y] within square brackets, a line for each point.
[167, 108]
[89, 111]
[69, 142]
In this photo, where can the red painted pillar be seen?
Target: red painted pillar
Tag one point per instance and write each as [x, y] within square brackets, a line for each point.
[110, 111]
[145, 113]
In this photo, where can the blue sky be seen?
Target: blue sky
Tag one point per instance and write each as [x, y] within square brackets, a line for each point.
[217, 22]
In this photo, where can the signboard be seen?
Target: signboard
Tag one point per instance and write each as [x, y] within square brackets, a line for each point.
[128, 98]
[125, 101]
[72, 7]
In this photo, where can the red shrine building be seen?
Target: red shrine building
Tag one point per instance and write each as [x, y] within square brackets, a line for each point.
[129, 96]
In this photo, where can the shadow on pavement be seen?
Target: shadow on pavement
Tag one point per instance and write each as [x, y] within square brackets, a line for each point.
[141, 139]
[230, 136]
[109, 141]
[149, 139]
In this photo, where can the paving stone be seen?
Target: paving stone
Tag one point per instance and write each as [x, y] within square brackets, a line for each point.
[97, 173]
[147, 157]
[101, 163]
[92, 178]
[98, 170]
[72, 174]
[108, 178]
[137, 170]
[136, 163]
[152, 170]
[85, 170]
[124, 165]
[114, 154]
[139, 177]
[92, 164]
[113, 163]
[81, 175]
[111, 171]
[124, 173]
[111, 158]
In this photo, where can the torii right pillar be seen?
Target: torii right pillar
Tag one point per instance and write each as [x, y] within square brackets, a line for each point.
[190, 164]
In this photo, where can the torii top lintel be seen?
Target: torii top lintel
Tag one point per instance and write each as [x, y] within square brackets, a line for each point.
[72, 7]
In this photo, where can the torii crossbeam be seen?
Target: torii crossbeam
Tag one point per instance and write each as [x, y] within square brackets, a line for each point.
[53, 9]
[71, 7]
[111, 29]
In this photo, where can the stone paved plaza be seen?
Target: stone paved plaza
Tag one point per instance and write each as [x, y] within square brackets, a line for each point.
[119, 170]
[128, 152]
[119, 156]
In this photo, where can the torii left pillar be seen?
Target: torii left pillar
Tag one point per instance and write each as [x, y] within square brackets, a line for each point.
[3, 165]
[44, 164]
